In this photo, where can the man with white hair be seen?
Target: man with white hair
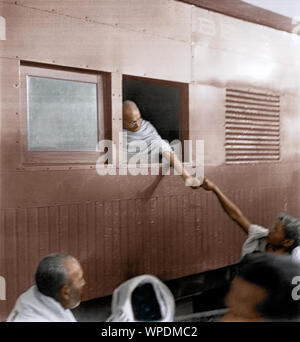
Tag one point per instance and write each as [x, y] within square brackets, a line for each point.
[59, 285]
[283, 238]
[139, 134]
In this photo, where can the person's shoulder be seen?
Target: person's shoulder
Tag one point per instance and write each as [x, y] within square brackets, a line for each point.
[147, 126]
[28, 294]
[20, 317]
[146, 123]
[296, 254]
[258, 230]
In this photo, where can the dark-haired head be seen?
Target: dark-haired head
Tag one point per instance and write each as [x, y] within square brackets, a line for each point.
[60, 277]
[272, 276]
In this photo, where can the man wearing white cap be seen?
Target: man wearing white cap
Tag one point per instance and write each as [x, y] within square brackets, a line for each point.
[142, 299]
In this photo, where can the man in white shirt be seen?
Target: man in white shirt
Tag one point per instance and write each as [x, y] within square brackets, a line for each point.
[140, 135]
[283, 238]
[59, 284]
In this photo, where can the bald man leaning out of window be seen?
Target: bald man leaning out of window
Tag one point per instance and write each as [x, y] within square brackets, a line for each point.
[138, 129]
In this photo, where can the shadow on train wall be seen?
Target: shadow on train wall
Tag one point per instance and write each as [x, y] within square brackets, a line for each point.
[197, 75]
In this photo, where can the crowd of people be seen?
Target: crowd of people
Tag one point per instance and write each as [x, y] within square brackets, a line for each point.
[261, 291]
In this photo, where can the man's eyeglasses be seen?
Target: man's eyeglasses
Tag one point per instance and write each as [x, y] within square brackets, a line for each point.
[134, 123]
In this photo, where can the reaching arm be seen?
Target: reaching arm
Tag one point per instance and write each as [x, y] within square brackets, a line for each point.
[229, 207]
[176, 163]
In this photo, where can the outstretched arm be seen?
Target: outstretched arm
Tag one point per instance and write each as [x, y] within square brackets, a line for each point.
[229, 207]
[176, 163]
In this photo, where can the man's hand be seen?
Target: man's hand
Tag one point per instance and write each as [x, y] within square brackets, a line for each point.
[189, 180]
[208, 185]
[193, 182]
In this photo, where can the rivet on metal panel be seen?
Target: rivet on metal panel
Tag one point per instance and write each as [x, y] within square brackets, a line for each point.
[17, 142]
[53, 61]
[86, 66]
[16, 85]
[17, 113]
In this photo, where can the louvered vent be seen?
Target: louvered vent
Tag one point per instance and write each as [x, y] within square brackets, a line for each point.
[252, 126]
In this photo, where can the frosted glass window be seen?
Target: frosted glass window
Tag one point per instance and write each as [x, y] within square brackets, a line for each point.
[62, 114]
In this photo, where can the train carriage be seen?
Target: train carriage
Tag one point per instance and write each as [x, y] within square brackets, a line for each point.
[65, 68]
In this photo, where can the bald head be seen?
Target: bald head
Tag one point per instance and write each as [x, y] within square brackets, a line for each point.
[131, 116]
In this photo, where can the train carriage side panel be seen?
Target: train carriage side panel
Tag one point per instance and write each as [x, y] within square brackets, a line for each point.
[108, 222]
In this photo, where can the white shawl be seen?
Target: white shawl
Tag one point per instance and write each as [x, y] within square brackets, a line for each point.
[121, 302]
[33, 306]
